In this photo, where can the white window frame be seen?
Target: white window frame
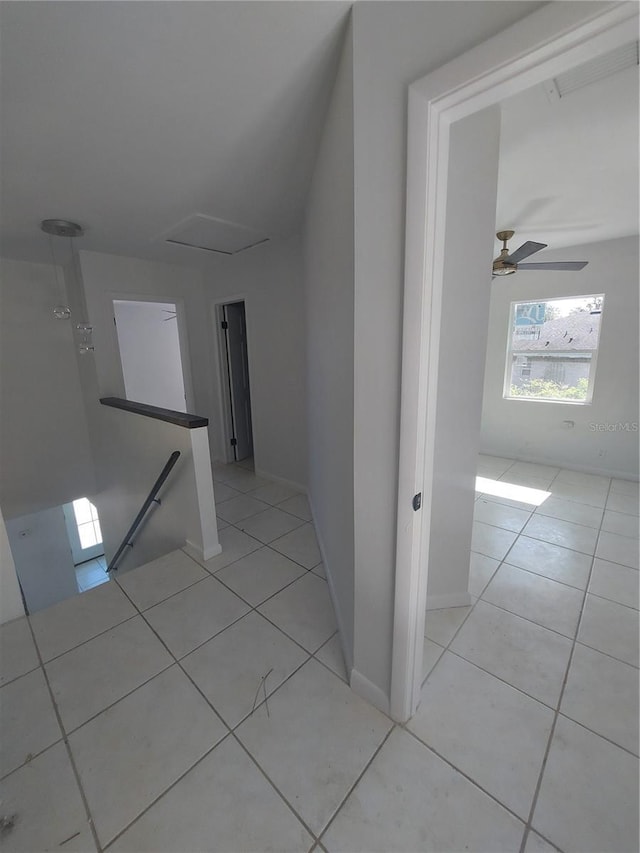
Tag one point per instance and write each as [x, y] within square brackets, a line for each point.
[80, 554]
[593, 353]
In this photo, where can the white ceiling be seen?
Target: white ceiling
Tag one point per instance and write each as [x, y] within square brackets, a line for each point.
[568, 170]
[131, 117]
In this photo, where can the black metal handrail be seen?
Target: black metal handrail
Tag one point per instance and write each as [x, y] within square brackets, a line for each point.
[151, 498]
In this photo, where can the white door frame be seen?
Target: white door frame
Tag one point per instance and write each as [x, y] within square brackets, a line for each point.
[548, 42]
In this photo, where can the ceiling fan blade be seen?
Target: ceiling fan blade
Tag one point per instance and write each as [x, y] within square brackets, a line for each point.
[528, 248]
[555, 265]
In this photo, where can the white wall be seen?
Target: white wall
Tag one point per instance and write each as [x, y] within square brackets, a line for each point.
[474, 146]
[395, 43]
[45, 457]
[132, 450]
[150, 353]
[109, 277]
[270, 280]
[43, 558]
[329, 310]
[269, 277]
[534, 431]
[10, 598]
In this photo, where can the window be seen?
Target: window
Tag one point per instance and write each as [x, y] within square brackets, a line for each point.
[551, 355]
[524, 366]
[87, 523]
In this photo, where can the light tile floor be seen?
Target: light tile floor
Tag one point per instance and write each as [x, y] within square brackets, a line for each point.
[91, 574]
[186, 707]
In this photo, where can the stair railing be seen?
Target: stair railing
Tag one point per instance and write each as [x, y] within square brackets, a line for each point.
[127, 542]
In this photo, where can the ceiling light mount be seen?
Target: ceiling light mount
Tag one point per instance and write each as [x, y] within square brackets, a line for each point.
[70, 230]
[61, 228]
[500, 266]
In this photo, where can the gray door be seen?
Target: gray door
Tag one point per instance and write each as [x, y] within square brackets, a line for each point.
[235, 329]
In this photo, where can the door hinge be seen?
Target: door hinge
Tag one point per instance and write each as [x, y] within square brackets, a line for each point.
[224, 324]
[416, 503]
[234, 441]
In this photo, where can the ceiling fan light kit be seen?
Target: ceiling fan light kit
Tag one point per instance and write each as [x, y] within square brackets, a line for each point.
[508, 263]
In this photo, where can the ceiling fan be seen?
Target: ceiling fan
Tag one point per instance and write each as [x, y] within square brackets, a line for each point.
[507, 264]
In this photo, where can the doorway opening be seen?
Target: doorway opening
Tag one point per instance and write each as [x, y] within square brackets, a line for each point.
[83, 529]
[85, 539]
[463, 91]
[235, 381]
[151, 341]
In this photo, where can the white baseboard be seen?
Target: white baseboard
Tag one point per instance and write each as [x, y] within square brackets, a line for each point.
[346, 653]
[358, 683]
[369, 691]
[202, 556]
[456, 599]
[281, 480]
[213, 551]
[600, 470]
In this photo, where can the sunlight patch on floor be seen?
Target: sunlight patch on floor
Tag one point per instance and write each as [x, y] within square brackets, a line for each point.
[501, 489]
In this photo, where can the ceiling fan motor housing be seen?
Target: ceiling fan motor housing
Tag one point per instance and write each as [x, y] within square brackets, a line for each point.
[499, 266]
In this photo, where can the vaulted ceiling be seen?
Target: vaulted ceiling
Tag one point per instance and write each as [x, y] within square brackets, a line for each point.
[131, 117]
[568, 170]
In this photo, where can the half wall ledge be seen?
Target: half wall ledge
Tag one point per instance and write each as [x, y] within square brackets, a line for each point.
[129, 453]
[182, 419]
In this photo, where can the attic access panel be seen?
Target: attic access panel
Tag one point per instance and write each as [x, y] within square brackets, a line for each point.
[214, 235]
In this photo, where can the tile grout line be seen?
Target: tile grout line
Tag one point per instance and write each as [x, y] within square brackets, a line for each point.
[527, 619]
[447, 648]
[83, 642]
[458, 654]
[463, 773]
[270, 781]
[368, 764]
[230, 731]
[502, 680]
[252, 608]
[22, 674]
[65, 740]
[177, 663]
[529, 535]
[255, 609]
[311, 655]
[166, 791]
[536, 794]
[261, 546]
[268, 505]
[575, 642]
[119, 699]
[32, 757]
[546, 577]
[546, 628]
[551, 708]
